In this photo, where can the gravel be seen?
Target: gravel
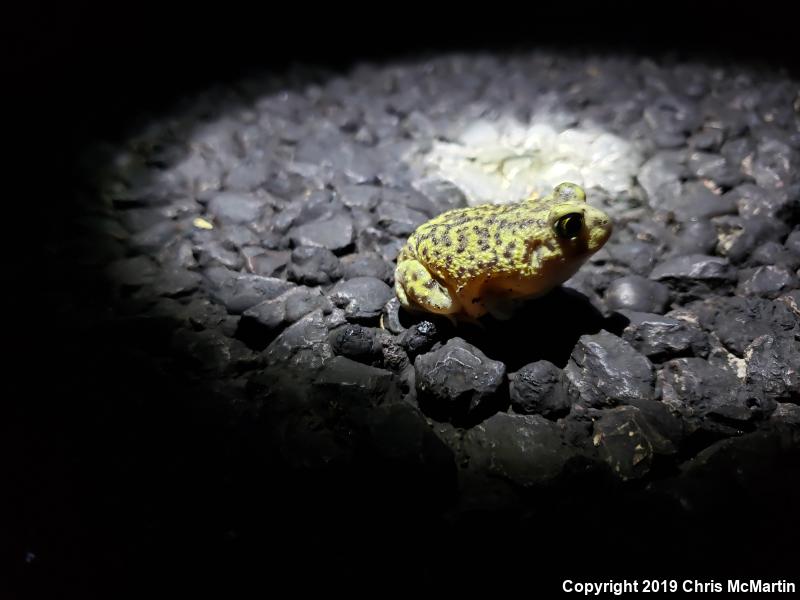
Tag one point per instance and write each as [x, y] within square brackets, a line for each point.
[257, 231]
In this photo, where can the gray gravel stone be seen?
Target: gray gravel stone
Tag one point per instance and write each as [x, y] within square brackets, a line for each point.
[418, 338]
[738, 237]
[706, 395]
[773, 164]
[754, 201]
[268, 263]
[260, 323]
[660, 337]
[360, 196]
[302, 348]
[773, 367]
[367, 264]
[134, 272]
[174, 282]
[458, 382]
[696, 201]
[694, 275]
[660, 177]
[639, 257]
[793, 242]
[314, 266]
[538, 388]
[695, 237]
[767, 282]
[634, 292]
[155, 237]
[215, 252]
[238, 292]
[362, 298]
[627, 441]
[773, 253]
[739, 321]
[605, 370]
[334, 233]
[714, 167]
[235, 207]
[353, 385]
[398, 219]
[526, 450]
[357, 342]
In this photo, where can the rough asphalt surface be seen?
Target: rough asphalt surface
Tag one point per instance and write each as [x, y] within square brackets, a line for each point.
[233, 264]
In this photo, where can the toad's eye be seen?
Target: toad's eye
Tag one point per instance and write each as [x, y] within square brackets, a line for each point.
[569, 226]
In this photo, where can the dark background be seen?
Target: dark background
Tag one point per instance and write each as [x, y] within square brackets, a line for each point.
[89, 67]
[76, 71]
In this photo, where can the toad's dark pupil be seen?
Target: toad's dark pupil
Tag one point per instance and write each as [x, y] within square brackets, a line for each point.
[569, 226]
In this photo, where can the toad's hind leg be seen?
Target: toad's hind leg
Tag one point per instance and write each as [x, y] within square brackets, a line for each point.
[417, 289]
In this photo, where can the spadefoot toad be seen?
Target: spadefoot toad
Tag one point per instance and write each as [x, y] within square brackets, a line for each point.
[470, 261]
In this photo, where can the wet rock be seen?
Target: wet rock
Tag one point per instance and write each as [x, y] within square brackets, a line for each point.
[767, 282]
[211, 352]
[367, 264]
[235, 207]
[246, 176]
[155, 237]
[792, 242]
[696, 202]
[670, 120]
[418, 338]
[660, 177]
[260, 323]
[351, 385]
[787, 413]
[628, 442]
[215, 252]
[133, 272]
[360, 196]
[706, 395]
[457, 382]
[238, 292]
[379, 242]
[739, 321]
[695, 237]
[605, 370]
[398, 219]
[411, 454]
[314, 266]
[694, 275]
[714, 167]
[773, 253]
[738, 237]
[526, 450]
[637, 293]
[444, 194]
[334, 233]
[301, 348]
[661, 338]
[538, 388]
[710, 139]
[140, 219]
[362, 298]
[773, 367]
[358, 343]
[268, 263]
[639, 257]
[174, 282]
[754, 201]
[773, 164]
[410, 198]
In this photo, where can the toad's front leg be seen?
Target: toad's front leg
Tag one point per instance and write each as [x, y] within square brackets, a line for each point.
[417, 289]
